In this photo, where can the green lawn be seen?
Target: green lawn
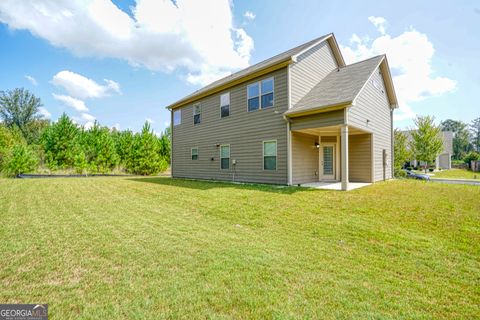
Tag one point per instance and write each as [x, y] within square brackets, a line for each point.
[153, 248]
[457, 174]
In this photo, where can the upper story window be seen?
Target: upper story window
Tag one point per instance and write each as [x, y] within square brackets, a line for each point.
[253, 93]
[225, 105]
[260, 95]
[177, 117]
[197, 113]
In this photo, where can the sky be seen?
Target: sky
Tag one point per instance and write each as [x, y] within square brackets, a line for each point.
[122, 62]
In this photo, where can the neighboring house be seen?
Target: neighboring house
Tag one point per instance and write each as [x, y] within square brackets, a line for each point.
[301, 116]
[444, 160]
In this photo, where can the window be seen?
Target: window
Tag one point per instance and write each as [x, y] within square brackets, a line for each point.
[225, 157]
[270, 155]
[177, 117]
[225, 105]
[260, 95]
[197, 110]
[267, 93]
[194, 153]
[253, 93]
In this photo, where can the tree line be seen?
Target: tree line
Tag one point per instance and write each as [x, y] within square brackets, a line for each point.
[29, 143]
[426, 142]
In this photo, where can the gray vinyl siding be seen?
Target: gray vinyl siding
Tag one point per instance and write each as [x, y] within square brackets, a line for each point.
[359, 158]
[244, 131]
[325, 119]
[311, 67]
[444, 161]
[304, 158]
[372, 104]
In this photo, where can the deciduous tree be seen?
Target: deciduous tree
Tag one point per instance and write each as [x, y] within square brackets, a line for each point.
[426, 143]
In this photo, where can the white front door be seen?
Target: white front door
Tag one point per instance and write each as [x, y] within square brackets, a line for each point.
[327, 161]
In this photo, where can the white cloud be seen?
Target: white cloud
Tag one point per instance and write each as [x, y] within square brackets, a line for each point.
[149, 120]
[87, 117]
[44, 113]
[379, 23]
[191, 35]
[166, 124]
[76, 104]
[249, 15]
[82, 87]
[116, 126]
[410, 58]
[31, 79]
[88, 125]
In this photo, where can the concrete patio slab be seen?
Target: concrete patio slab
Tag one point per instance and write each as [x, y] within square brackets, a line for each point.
[334, 185]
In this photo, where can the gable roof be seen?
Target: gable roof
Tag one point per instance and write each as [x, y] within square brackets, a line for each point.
[342, 86]
[268, 65]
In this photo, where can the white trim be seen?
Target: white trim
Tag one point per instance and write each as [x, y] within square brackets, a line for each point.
[229, 156]
[191, 153]
[263, 154]
[259, 83]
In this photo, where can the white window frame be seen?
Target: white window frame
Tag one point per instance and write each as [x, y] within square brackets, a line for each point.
[276, 155]
[260, 93]
[191, 153]
[199, 105]
[229, 155]
[224, 105]
[178, 111]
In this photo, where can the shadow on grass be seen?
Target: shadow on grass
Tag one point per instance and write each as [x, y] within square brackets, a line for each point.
[211, 184]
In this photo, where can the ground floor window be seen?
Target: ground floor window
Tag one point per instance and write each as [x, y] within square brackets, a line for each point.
[225, 157]
[194, 153]
[270, 155]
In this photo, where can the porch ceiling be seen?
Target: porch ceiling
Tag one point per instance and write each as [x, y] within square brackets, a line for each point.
[330, 131]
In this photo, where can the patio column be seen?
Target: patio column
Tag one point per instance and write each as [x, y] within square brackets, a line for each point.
[344, 156]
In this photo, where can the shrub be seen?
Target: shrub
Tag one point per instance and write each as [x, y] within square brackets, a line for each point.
[400, 173]
[431, 169]
[80, 163]
[20, 159]
[409, 168]
[8, 138]
[471, 156]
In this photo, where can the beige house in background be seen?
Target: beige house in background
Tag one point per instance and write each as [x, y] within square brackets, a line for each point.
[444, 159]
[299, 117]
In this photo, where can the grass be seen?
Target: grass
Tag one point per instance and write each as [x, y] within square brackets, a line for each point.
[157, 248]
[457, 174]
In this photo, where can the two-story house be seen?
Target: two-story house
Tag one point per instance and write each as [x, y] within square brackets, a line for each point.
[299, 117]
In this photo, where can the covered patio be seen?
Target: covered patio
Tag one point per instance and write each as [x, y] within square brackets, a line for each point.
[334, 157]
